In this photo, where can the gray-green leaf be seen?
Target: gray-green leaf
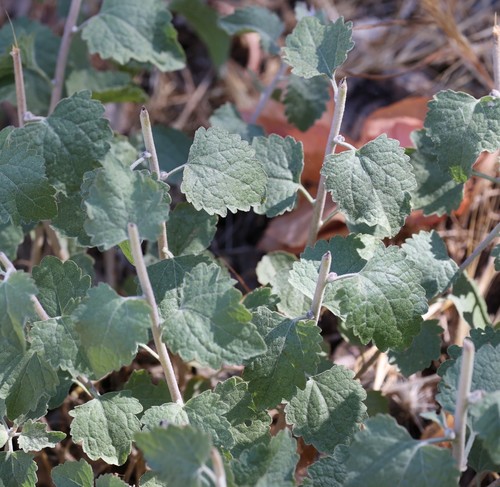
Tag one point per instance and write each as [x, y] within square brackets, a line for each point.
[17, 469]
[73, 474]
[35, 436]
[228, 117]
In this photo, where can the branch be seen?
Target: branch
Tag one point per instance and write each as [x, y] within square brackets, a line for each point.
[142, 274]
[62, 56]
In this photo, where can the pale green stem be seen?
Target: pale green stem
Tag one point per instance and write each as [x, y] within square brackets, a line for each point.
[488, 239]
[340, 140]
[306, 194]
[62, 56]
[150, 351]
[218, 466]
[266, 94]
[330, 216]
[319, 204]
[319, 292]
[496, 56]
[8, 265]
[145, 155]
[486, 176]
[154, 166]
[19, 82]
[87, 386]
[462, 403]
[142, 274]
[431, 441]
[177, 169]
[41, 313]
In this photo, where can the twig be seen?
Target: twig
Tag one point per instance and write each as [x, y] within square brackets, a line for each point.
[266, 94]
[319, 205]
[478, 174]
[87, 386]
[62, 56]
[19, 81]
[488, 239]
[142, 274]
[367, 365]
[464, 387]
[496, 56]
[319, 292]
[154, 167]
[54, 242]
[218, 466]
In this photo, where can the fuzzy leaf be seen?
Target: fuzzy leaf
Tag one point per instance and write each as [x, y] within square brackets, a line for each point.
[11, 236]
[206, 322]
[426, 346]
[461, 127]
[71, 140]
[385, 454]
[172, 147]
[62, 285]
[106, 426]
[119, 196]
[73, 474]
[283, 161]
[35, 437]
[373, 184]
[436, 191]
[384, 301]
[203, 18]
[176, 453]
[428, 252]
[484, 377]
[229, 118]
[71, 217]
[293, 349]
[222, 173]
[305, 100]
[17, 469]
[485, 419]
[329, 410]
[313, 49]
[328, 471]
[190, 231]
[267, 464]
[255, 19]
[110, 328]
[147, 393]
[496, 254]
[125, 30]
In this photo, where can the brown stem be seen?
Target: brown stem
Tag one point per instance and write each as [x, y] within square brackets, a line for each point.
[19, 81]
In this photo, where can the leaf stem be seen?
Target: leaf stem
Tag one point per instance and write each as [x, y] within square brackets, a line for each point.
[319, 204]
[87, 386]
[266, 94]
[218, 466]
[496, 57]
[8, 265]
[464, 388]
[330, 216]
[19, 82]
[62, 56]
[150, 351]
[486, 176]
[166, 175]
[431, 441]
[487, 240]
[306, 194]
[142, 274]
[154, 166]
[319, 292]
[42, 314]
[145, 155]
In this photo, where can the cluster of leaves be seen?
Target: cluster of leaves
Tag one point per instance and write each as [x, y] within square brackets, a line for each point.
[70, 169]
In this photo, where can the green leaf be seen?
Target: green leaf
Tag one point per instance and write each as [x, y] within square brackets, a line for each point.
[283, 161]
[485, 419]
[222, 173]
[62, 285]
[425, 348]
[71, 217]
[313, 49]
[109, 480]
[203, 19]
[176, 453]
[428, 252]
[111, 328]
[228, 117]
[293, 349]
[255, 19]
[4, 435]
[11, 236]
[150, 479]
[372, 185]
[384, 301]
[267, 464]
[461, 127]
[436, 190]
[16, 308]
[190, 231]
[71, 140]
[119, 196]
[496, 254]
[329, 410]
[469, 303]
[484, 377]
[125, 30]
[25, 192]
[148, 394]
[305, 100]
[479, 458]
[328, 471]
[106, 86]
[261, 296]
[106, 426]
[385, 454]
[35, 436]
[17, 469]
[204, 320]
[73, 474]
